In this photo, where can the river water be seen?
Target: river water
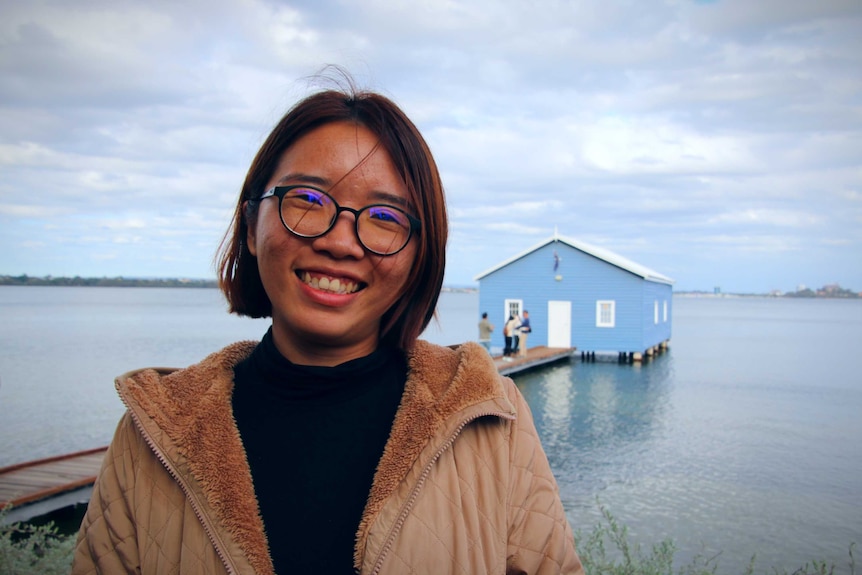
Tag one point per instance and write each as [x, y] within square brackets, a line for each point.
[745, 438]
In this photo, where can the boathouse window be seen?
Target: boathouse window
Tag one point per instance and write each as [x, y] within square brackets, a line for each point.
[605, 313]
[665, 311]
[513, 307]
[655, 312]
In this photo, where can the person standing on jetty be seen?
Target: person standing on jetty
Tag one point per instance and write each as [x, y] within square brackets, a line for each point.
[339, 443]
[485, 329]
[523, 331]
[509, 337]
[516, 335]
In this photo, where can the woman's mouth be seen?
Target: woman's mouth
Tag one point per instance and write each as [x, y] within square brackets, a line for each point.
[326, 283]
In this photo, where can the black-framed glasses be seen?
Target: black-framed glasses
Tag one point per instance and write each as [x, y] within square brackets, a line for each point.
[309, 212]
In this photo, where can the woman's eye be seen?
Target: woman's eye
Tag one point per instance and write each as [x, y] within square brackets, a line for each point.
[385, 214]
[311, 196]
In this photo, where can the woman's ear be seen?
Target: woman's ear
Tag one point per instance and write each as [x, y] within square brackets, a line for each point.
[251, 227]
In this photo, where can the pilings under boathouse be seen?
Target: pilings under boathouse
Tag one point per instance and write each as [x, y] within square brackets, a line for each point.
[626, 356]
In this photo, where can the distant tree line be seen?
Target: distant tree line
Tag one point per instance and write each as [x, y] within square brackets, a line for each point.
[25, 280]
[832, 291]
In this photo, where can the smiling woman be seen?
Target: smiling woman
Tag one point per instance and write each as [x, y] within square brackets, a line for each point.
[340, 443]
[316, 325]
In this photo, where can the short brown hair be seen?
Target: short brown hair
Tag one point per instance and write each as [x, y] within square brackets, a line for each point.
[402, 324]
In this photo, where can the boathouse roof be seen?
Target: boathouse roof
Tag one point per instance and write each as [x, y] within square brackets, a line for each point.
[595, 251]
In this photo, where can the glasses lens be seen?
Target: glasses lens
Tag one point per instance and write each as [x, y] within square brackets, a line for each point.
[383, 229]
[307, 212]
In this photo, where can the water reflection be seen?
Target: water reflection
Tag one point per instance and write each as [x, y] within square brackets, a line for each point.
[597, 421]
[603, 406]
[559, 395]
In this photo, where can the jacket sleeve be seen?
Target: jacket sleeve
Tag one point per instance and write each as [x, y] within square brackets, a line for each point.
[540, 538]
[107, 540]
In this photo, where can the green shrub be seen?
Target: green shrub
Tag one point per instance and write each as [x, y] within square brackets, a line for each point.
[34, 550]
[606, 550]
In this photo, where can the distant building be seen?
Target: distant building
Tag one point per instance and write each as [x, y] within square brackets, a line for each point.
[581, 296]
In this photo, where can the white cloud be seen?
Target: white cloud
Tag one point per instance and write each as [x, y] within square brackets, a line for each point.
[31, 245]
[645, 145]
[25, 211]
[770, 217]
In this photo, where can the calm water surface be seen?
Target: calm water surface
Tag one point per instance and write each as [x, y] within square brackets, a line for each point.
[745, 438]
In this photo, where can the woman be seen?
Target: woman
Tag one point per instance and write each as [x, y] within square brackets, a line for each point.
[509, 331]
[340, 443]
[507, 337]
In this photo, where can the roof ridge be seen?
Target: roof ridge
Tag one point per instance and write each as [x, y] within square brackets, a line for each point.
[599, 252]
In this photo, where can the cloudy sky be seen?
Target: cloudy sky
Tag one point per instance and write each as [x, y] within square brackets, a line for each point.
[719, 143]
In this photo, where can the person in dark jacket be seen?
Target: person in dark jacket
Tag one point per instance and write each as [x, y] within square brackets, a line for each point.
[524, 330]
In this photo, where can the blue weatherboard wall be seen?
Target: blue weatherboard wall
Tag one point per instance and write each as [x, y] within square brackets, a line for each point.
[585, 279]
[654, 333]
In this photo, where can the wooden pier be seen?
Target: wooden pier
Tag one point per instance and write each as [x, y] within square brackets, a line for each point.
[536, 357]
[39, 487]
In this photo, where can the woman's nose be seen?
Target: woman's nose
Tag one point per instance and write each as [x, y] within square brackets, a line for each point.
[341, 240]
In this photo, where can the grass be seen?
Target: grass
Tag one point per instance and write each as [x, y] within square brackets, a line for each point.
[606, 550]
[27, 549]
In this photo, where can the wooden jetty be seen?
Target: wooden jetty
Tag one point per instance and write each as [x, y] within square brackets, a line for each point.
[536, 357]
[36, 488]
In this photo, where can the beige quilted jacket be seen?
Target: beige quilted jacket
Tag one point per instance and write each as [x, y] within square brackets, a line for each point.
[463, 485]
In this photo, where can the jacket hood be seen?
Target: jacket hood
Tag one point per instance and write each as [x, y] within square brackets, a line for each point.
[186, 417]
[446, 387]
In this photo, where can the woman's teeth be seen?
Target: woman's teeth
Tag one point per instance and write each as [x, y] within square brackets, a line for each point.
[326, 284]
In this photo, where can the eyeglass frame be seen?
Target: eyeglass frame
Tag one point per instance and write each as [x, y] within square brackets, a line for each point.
[280, 191]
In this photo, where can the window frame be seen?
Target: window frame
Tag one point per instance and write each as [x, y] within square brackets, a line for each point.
[612, 313]
[512, 307]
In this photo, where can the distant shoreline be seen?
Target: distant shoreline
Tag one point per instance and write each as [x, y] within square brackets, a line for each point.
[827, 292]
[792, 295]
[77, 281]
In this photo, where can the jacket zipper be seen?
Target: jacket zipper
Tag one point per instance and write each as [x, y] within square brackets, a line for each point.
[402, 517]
[205, 523]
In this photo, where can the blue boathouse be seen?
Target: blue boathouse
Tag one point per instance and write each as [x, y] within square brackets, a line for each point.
[581, 296]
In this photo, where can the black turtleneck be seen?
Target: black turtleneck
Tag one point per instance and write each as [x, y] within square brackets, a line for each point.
[313, 437]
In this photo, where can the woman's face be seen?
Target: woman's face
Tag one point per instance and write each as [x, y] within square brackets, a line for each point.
[314, 325]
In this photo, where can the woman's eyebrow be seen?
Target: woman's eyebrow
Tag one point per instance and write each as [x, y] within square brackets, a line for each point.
[389, 198]
[304, 178]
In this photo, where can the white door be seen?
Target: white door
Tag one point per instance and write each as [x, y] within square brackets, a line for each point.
[559, 324]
